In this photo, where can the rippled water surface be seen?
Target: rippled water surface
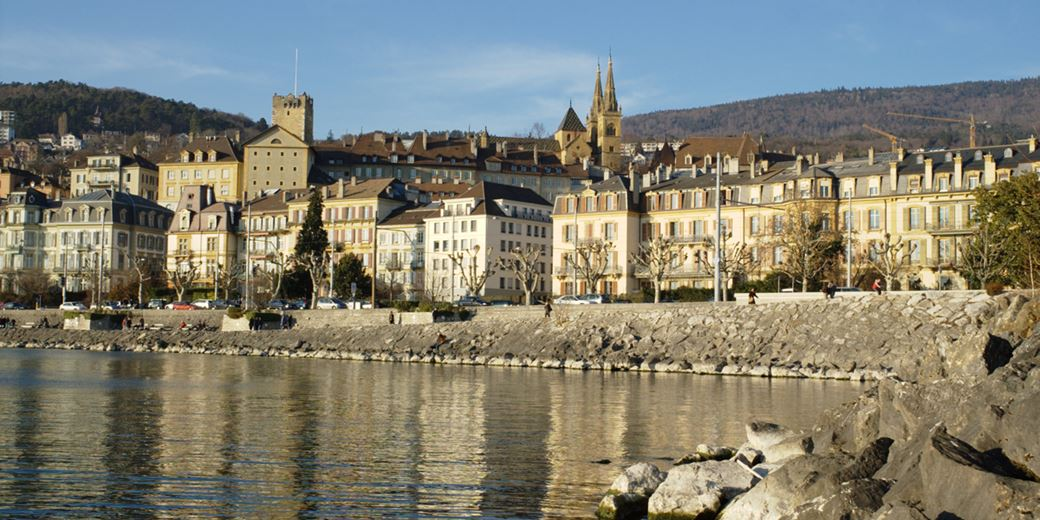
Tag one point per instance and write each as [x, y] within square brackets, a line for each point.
[154, 435]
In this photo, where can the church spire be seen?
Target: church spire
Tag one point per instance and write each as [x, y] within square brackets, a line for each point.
[597, 95]
[610, 103]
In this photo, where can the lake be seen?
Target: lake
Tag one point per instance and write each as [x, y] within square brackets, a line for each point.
[165, 435]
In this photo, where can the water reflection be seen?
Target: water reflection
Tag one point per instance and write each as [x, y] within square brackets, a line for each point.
[160, 436]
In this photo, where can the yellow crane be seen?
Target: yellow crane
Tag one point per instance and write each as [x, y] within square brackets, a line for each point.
[892, 138]
[970, 122]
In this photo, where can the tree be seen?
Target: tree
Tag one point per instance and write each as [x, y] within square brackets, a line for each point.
[32, 283]
[227, 275]
[983, 256]
[526, 267]
[1012, 209]
[184, 273]
[590, 260]
[144, 271]
[890, 257]
[311, 245]
[658, 258]
[261, 125]
[273, 272]
[474, 272]
[350, 269]
[537, 130]
[737, 259]
[808, 241]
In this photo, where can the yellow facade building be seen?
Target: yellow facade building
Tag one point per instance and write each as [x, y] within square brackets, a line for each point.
[210, 161]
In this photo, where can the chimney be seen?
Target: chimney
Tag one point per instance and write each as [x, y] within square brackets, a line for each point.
[928, 173]
[505, 149]
[134, 149]
[353, 180]
[342, 185]
[238, 136]
[751, 169]
[816, 158]
[353, 140]
[870, 156]
[285, 196]
[794, 150]
[958, 170]
[798, 165]
[893, 175]
[991, 168]
[379, 137]
[1032, 143]
[425, 139]
[900, 153]
[535, 155]
[765, 165]
[839, 157]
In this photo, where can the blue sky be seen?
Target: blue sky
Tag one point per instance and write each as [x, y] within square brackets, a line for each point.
[457, 64]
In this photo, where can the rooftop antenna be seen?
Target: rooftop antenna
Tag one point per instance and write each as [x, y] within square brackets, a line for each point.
[296, 71]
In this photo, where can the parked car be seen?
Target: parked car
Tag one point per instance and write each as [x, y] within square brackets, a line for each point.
[570, 299]
[114, 305]
[593, 298]
[14, 306]
[301, 303]
[156, 304]
[502, 303]
[277, 305]
[72, 306]
[471, 301]
[181, 306]
[331, 303]
[209, 304]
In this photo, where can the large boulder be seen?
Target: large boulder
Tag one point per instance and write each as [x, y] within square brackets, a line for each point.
[854, 500]
[761, 434]
[687, 491]
[628, 494]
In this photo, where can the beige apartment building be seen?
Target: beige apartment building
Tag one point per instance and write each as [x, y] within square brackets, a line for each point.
[207, 161]
[204, 232]
[401, 251]
[131, 174]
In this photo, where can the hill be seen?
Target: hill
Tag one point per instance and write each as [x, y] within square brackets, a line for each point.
[831, 120]
[38, 106]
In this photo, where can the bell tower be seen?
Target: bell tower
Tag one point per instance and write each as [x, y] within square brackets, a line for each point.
[295, 114]
[592, 121]
[609, 123]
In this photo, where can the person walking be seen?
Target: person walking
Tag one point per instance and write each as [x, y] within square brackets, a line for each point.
[876, 287]
[391, 317]
[751, 295]
[548, 309]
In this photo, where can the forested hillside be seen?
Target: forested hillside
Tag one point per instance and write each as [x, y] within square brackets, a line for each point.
[831, 120]
[38, 106]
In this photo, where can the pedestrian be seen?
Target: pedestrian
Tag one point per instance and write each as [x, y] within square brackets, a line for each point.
[831, 290]
[825, 290]
[45, 324]
[548, 309]
[751, 295]
[391, 317]
[876, 287]
[140, 324]
[184, 325]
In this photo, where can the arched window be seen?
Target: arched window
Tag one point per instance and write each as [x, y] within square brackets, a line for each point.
[122, 216]
[1008, 153]
[610, 130]
[276, 141]
[689, 159]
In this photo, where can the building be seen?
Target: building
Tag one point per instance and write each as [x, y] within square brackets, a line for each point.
[131, 174]
[15, 179]
[22, 234]
[607, 211]
[71, 143]
[598, 141]
[922, 198]
[400, 260]
[204, 232]
[104, 233]
[26, 151]
[7, 126]
[207, 161]
[265, 240]
[479, 227]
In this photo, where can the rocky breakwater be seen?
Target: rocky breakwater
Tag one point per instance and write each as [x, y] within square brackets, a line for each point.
[870, 338]
[959, 440]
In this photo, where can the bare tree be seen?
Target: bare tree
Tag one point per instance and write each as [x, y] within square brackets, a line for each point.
[273, 272]
[316, 264]
[809, 243]
[184, 273]
[32, 283]
[227, 276]
[474, 271]
[890, 257]
[658, 258]
[144, 271]
[736, 259]
[537, 130]
[984, 256]
[525, 265]
[590, 261]
[393, 266]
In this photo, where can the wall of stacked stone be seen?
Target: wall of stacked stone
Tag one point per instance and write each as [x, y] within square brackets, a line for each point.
[919, 337]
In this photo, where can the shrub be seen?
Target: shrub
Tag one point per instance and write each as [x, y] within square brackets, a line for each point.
[234, 313]
[994, 288]
[404, 306]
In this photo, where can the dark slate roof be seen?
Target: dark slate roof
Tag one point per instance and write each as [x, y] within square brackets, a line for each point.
[571, 122]
[408, 215]
[494, 191]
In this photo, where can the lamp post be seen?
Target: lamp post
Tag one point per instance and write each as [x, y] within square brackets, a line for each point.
[718, 224]
[848, 251]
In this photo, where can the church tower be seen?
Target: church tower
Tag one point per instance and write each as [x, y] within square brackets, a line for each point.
[295, 114]
[592, 121]
[609, 123]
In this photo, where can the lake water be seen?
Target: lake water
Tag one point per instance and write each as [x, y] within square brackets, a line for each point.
[165, 435]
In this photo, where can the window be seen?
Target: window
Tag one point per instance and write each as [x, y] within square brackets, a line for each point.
[913, 218]
[846, 219]
[875, 219]
[973, 182]
[754, 226]
[825, 191]
[944, 183]
[873, 191]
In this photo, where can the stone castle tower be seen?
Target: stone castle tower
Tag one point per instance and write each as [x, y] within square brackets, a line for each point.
[295, 114]
[604, 122]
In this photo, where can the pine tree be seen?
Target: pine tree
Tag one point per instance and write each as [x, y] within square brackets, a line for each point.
[349, 270]
[311, 243]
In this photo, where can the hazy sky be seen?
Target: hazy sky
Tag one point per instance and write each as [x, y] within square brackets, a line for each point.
[457, 64]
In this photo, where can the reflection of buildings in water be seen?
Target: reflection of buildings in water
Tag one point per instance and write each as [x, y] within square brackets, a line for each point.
[588, 421]
[451, 462]
[22, 441]
[133, 438]
[517, 423]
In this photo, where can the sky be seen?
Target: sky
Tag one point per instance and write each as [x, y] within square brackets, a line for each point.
[507, 65]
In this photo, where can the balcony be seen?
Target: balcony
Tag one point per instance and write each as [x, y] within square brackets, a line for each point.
[566, 271]
[949, 228]
[689, 239]
[678, 273]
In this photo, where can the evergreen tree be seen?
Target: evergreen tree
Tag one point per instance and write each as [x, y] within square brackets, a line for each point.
[349, 270]
[261, 125]
[311, 243]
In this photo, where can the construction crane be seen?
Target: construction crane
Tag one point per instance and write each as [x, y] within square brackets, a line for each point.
[892, 138]
[970, 122]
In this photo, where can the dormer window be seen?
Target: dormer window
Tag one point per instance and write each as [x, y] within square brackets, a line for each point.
[920, 159]
[199, 156]
[212, 156]
[185, 156]
[978, 155]
[1008, 153]
[949, 156]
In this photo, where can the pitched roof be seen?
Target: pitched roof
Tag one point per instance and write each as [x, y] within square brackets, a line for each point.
[407, 216]
[494, 191]
[571, 122]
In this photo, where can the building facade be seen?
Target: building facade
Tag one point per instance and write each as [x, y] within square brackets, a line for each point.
[131, 174]
[204, 232]
[208, 161]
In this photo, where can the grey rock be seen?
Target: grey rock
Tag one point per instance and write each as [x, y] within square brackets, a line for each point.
[761, 435]
[854, 500]
[628, 494]
[687, 489]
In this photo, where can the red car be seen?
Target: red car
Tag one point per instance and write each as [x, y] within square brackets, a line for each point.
[181, 306]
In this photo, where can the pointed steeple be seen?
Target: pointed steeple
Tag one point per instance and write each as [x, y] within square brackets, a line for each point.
[610, 103]
[597, 96]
